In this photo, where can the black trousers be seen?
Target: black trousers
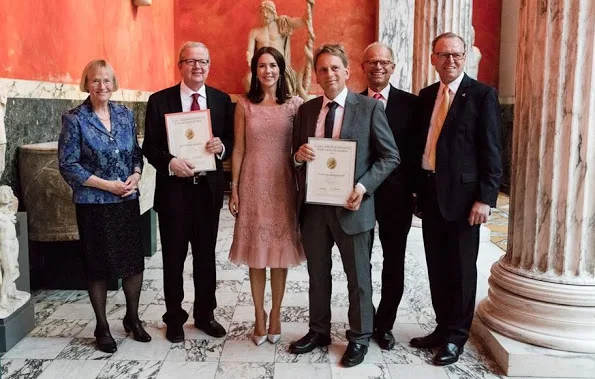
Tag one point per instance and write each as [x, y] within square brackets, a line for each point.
[451, 255]
[394, 208]
[195, 222]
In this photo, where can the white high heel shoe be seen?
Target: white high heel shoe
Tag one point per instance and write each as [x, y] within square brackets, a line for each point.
[258, 340]
[274, 338]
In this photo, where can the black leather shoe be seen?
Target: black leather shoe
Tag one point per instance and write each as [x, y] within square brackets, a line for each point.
[175, 333]
[309, 342]
[105, 341]
[212, 328]
[447, 353]
[428, 342]
[139, 333]
[385, 339]
[354, 354]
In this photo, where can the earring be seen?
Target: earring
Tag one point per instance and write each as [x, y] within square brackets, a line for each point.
[279, 82]
[257, 84]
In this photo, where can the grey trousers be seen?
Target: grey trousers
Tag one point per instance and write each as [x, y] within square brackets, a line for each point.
[320, 231]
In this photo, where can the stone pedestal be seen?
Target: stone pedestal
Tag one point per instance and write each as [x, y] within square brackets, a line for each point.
[395, 28]
[542, 292]
[17, 325]
[432, 18]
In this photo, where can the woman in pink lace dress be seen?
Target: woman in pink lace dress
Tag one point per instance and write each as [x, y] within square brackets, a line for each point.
[263, 192]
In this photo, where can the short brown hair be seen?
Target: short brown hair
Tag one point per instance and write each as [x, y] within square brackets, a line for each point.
[93, 66]
[337, 50]
[448, 35]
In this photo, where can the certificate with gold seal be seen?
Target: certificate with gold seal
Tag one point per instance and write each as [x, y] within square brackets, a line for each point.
[187, 136]
[330, 176]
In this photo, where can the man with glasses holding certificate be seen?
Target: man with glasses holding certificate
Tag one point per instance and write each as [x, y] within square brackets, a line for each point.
[340, 115]
[459, 181]
[187, 199]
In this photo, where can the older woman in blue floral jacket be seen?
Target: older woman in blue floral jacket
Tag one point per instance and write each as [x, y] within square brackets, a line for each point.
[100, 159]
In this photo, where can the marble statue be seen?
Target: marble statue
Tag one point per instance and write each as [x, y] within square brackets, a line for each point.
[276, 32]
[9, 249]
[473, 57]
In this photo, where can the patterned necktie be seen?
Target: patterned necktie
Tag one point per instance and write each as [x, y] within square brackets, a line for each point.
[441, 113]
[195, 105]
[329, 122]
[378, 96]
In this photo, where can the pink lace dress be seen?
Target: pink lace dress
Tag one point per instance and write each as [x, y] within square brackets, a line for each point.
[266, 233]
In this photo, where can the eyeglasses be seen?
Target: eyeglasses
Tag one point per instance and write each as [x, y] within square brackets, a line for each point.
[105, 82]
[445, 56]
[382, 63]
[193, 62]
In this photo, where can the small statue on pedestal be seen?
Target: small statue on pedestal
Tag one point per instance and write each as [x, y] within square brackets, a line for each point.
[9, 248]
[473, 58]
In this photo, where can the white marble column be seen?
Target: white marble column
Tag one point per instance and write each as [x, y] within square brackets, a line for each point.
[395, 28]
[543, 290]
[432, 18]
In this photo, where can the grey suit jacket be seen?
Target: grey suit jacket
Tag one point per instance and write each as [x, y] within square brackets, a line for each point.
[377, 156]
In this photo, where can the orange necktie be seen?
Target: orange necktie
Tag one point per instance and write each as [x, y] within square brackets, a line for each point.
[441, 113]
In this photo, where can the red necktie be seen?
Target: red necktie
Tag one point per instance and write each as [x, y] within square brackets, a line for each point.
[377, 96]
[195, 105]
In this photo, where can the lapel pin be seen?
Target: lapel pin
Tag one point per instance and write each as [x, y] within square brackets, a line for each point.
[463, 94]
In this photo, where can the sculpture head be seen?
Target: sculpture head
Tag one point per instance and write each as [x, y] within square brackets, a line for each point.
[268, 12]
[5, 196]
[448, 56]
[268, 68]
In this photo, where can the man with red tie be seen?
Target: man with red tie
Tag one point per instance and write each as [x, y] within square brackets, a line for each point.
[394, 197]
[188, 203]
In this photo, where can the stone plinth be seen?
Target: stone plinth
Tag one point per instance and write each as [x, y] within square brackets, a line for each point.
[542, 291]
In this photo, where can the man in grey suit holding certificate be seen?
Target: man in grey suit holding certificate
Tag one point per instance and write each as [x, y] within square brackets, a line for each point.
[341, 114]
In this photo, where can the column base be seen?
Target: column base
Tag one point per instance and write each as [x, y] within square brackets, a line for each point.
[522, 359]
[17, 325]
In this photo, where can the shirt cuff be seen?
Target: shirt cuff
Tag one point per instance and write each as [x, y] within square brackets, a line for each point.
[296, 163]
[362, 187]
[220, 156]
[171, 172]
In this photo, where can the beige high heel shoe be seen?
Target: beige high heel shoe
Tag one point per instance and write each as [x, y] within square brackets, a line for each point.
[259, 340]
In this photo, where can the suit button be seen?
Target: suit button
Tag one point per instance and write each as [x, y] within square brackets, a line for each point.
[116, 151]
[117, 164]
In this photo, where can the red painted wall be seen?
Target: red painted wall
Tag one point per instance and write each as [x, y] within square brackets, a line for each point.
[223, 26]
[54, 40]
[487, 23]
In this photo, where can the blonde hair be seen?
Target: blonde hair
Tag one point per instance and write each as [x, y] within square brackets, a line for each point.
[93, 66]
[189, 45]
[333, 49]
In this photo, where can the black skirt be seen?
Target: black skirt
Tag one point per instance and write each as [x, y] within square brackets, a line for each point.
[110, 236]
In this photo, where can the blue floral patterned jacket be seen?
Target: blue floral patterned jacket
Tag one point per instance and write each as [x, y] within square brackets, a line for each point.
[86, 148]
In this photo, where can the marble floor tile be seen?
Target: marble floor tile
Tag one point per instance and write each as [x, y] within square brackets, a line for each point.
[364, 370]
[402, 353]
[196, 351]
[37, 348]
[44, 309]
[130, 369]
[318, 355]
[179, 370]
[227, 298]
[405, 332]
[59, 328]
[245, 370]
[23, 368]
[246, 351]
[85, 348]
[416, 371]
[70, 311]
[156, 350]
[118, 311]
[302, 370]
[73, 369]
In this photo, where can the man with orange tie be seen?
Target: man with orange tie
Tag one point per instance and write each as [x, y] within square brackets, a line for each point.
[186, 202]
[394, 197]
[459, 181]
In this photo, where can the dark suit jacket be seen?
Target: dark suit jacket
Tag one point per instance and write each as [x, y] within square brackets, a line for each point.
[468, 165]
[401, 112]
[364, 120]
[155, 147]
